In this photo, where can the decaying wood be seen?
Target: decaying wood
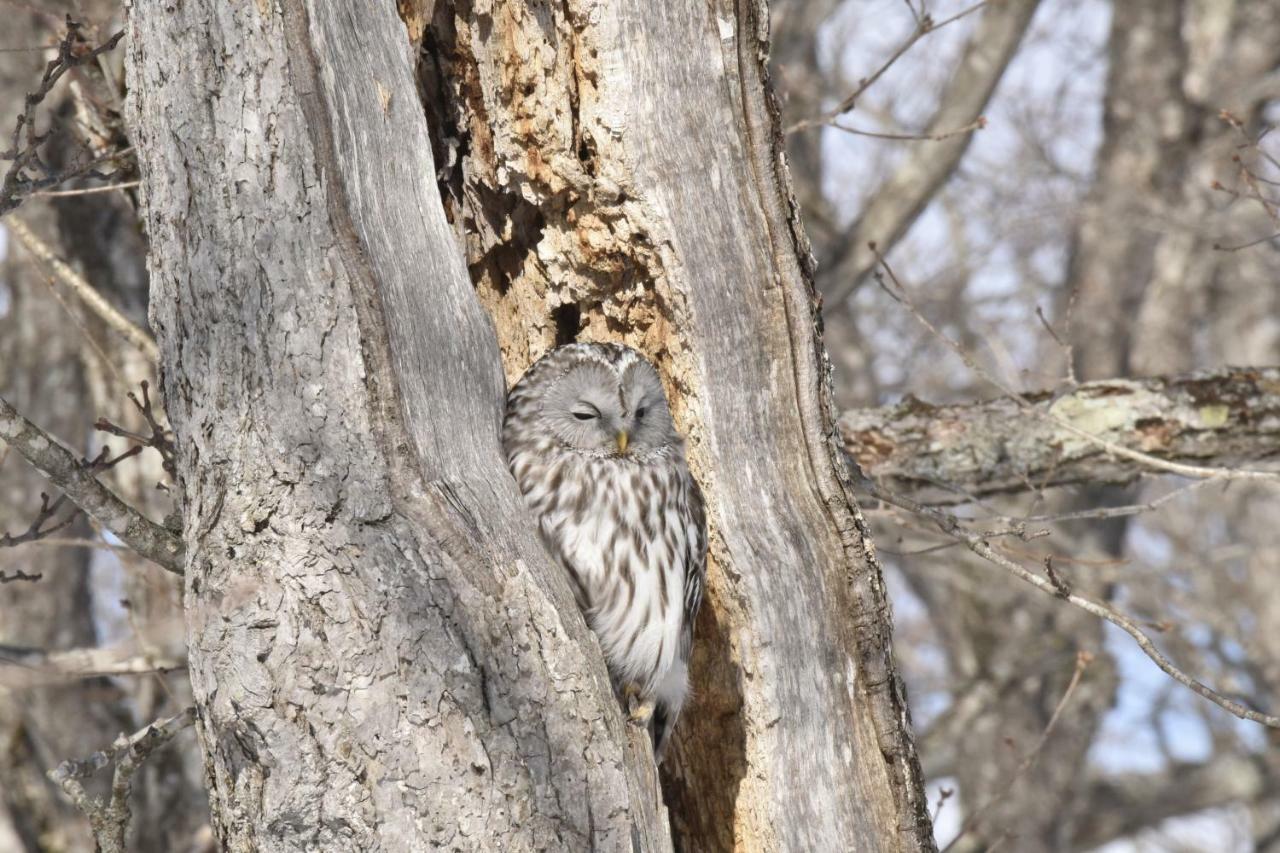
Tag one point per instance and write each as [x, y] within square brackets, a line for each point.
[617, 174]
[1215, 418]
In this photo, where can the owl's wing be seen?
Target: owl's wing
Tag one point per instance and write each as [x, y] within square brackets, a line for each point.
[695, 565]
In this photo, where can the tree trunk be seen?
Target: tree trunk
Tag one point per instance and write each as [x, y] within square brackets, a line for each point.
[383, 655]
[620, 175]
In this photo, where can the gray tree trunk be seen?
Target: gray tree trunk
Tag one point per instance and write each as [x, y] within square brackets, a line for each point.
[382, 653]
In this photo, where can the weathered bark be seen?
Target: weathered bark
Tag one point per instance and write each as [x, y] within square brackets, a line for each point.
[620, 175]
[1214, 418]
[369, 606]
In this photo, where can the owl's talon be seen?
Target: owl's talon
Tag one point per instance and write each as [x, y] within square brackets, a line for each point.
[639, 710]
[641, 714]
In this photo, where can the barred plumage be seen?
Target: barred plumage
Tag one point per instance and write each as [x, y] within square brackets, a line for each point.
[589, 438]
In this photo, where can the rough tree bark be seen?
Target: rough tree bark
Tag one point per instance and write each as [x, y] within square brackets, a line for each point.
[1217, 418]
[382, 653]
[379, 654]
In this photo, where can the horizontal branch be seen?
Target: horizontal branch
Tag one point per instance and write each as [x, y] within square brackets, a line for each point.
[1220, 419]
[22, 667]
[75, 478]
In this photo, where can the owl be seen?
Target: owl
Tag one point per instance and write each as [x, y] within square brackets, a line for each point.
[589, 439]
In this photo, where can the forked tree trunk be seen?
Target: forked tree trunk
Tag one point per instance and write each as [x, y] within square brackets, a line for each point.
[383, 654]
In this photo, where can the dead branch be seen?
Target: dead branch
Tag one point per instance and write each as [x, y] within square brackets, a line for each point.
[84, 291]
[79, 482]
[110, 818]
[1062, 421]
[24, 668]
[1215, 418]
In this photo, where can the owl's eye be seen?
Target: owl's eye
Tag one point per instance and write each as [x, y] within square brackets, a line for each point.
[640, 412]
[586, 416]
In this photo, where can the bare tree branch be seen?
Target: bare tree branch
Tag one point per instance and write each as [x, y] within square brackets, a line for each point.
[77, 480]
[110, 819]
[925, 24]
[24, 668]
[976, 541]
[86, 292]
[895, 205]
[1215, 418]
[1049, 415]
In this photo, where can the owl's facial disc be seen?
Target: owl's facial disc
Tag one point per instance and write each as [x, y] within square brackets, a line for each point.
[593, 409]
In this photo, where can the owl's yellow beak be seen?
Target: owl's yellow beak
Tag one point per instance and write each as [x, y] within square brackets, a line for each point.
[623, 441]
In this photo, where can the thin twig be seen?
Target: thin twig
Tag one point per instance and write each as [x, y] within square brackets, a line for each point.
[1083, 659]
[978, 124]
[127, 185]
[48, 509]
[951, 525]
[924, 25]
[74, 542]
[1114, 511]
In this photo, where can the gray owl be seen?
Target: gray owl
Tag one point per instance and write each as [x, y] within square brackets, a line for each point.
[590, 441]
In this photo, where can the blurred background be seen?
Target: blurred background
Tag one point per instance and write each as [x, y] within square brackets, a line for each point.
[1070, 190]
[1105, 191]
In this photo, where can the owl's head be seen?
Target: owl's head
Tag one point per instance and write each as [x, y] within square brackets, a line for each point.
[603, 399]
